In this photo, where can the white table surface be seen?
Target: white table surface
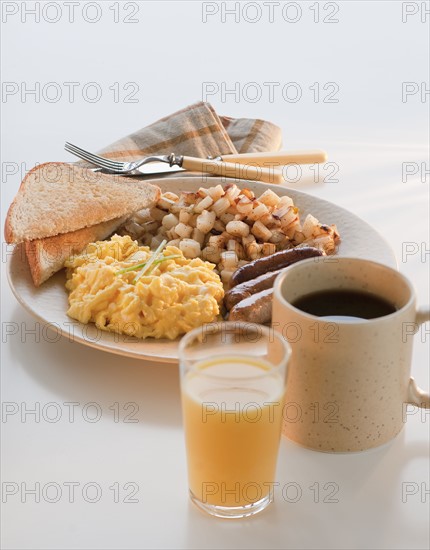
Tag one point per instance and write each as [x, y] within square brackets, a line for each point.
[170, 53]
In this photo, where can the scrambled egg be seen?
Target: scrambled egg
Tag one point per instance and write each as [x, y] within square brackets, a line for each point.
[176, 296]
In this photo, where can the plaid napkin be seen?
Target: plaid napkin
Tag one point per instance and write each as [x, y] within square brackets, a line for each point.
[197, 131]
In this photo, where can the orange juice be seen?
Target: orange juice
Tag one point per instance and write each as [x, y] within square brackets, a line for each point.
[232, 410]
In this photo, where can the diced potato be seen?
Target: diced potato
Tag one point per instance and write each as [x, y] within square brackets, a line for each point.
[335, 232]
[219, 226]
[169, 221]
[198, 236]
[184, 216]
[162, 231]
[225, 218]
[274, 224]
[291, 230]
[157, 214]
[229, 259]
[280, 211]
[205, 221]
[174, 242]
[244, 205]
[167, 200]
[226, 275]
[298, 237]
[248, 240]
[309, 226]
[285, 243]
[325, 243]
[171, 234]
[221, 206]
[204, 204]
[289, 217]
[232, 193]
[143, 215]
[211, 254]
[232, 245]
[190, 248]
[237, 228]
[285, 201]
[248, 193]
[246, 228]
[134, 229]
[150, 227]
[277, 236]
[269, 198]
[189, 198]
[218, 241]
[258, 211]
[261, 231]
[184, 231]
[268, 248]
[193, 220]
[216, 192]
[146, 240]
[170, 196]
[226, 237]
[267, 219]
[177, 207]
[236, 246]
[231, 210]
[253, 251]
[156, 241]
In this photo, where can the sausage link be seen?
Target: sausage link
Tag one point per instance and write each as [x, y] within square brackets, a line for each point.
[275, 261]
[248, 288]
[254, 309]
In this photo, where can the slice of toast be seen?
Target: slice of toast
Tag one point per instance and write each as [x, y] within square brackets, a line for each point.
[56, 198]
[47, 256]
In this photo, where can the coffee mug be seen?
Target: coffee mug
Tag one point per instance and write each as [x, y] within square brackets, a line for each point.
[349, 378]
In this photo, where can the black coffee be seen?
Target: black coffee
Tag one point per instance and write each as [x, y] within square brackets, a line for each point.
[344, 303]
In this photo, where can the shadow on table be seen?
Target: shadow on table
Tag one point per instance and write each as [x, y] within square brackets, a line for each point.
[324, 501]
[77, 373]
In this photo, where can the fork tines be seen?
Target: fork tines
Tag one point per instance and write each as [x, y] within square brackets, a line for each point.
[102, 162]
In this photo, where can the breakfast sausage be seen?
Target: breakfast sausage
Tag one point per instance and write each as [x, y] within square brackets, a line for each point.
[254, 309]
[275, 261]
[248, 288]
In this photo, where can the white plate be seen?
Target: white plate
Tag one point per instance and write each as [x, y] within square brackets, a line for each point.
[49, 302]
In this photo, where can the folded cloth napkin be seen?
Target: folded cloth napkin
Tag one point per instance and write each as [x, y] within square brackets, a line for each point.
[197, 131]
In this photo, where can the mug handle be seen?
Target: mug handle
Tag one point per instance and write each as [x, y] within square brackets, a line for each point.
[417, 396]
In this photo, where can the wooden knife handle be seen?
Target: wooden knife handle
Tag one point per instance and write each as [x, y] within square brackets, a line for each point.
[281, 157]
[233, 170]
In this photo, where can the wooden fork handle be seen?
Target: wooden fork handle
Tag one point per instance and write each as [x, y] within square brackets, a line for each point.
[279, 158]
[233, 170]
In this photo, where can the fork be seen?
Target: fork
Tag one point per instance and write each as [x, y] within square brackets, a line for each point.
[214, 167]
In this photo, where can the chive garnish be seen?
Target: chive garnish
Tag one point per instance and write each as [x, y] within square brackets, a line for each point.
[151, 260]
[138, 266]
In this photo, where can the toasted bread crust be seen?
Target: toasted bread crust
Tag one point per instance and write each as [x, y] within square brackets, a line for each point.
[8, 226]
[47, 256]
[56, 198]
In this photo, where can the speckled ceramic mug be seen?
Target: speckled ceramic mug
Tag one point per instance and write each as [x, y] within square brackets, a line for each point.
[348, 381]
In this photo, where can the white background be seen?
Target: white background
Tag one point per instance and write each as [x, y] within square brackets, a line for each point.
[170, 53]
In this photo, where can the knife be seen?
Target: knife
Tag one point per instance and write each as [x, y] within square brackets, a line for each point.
[279, 158]
[266, 160]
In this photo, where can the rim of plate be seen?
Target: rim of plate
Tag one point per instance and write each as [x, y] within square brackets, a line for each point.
[105, 343]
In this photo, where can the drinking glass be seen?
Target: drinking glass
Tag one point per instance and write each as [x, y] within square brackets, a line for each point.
[233, 379]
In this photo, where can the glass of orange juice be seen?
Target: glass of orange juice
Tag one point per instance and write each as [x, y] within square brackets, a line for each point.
[232, 385]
